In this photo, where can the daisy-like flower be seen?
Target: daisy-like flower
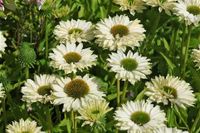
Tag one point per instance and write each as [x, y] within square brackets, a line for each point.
[139, 117]
[72, 93]
[2, 92]
[94, 113]
[74, 31]
[166, 5]
[169, 130]
[39, 89]
[170, 89]
[189, 11]
[71, 58]
[119, 32]
[196, 56]
[23, 126]
[131, 67]
[2, 43]
[1, 5]
[132, 6]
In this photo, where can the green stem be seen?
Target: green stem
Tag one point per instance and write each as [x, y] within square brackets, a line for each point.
[74, 122]
[118, 92]
[124, 91]
[27, 72]
[140, 95]
[50, 126]
[4, 111]
[194, 126]
[46, 40]
[185, 48]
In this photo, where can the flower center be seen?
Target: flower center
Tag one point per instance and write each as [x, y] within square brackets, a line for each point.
[129, 64]
[170, 91]
[193, 9]
[140, 118]
[72, 57]
[77, 88]
[95, 112]
[120, 30]
[75, 31]
[44, 90]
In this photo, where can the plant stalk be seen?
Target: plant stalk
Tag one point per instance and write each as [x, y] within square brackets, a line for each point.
[124, 91]
[118, 92]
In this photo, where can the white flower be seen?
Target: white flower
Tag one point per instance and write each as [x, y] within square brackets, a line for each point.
[169, 130]
[166, 5]
[189, 11]
[2, 43]
[72, 93]
[94, 112]
[2, 92]
[39, 89]
[119, 32]
[71, 58]
[131, 67]
[196, 56]
[74, 31]
[134, 6]
[170, 89]
[23, 126]
[139, 117]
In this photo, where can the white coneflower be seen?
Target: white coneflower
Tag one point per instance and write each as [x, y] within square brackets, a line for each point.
[23, 126]
[2, 92]
[2, 43]
[170, 89]
[132, 6]
[196, 56]
[73, 92]
[74, 31]
[189, 11]
[71, 58]
[139, 117]
[119, 32]
[94, 112]
[130, 66]
[169, 130]
[39, 89]
[166, 5]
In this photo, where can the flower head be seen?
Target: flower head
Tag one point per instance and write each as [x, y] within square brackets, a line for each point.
[94, 112]
[23, 126]
[74, 31]
[2, 92]
[132, 6]
[166, 5]
[170, 89]
[139, 117]
[119, 32]
[188, 11]
[130, 66]
[196, 56]
[71, 58]
[169, 130]
[2, 43]
[72, 93]
[39, 89]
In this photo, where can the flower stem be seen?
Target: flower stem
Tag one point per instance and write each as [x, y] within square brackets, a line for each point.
[194, 126]
[118, 92]
[185, 47]
[141, 95]
[27, 72]
[50, 126]
[46, 40]
[124, 91]
[74, 122]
